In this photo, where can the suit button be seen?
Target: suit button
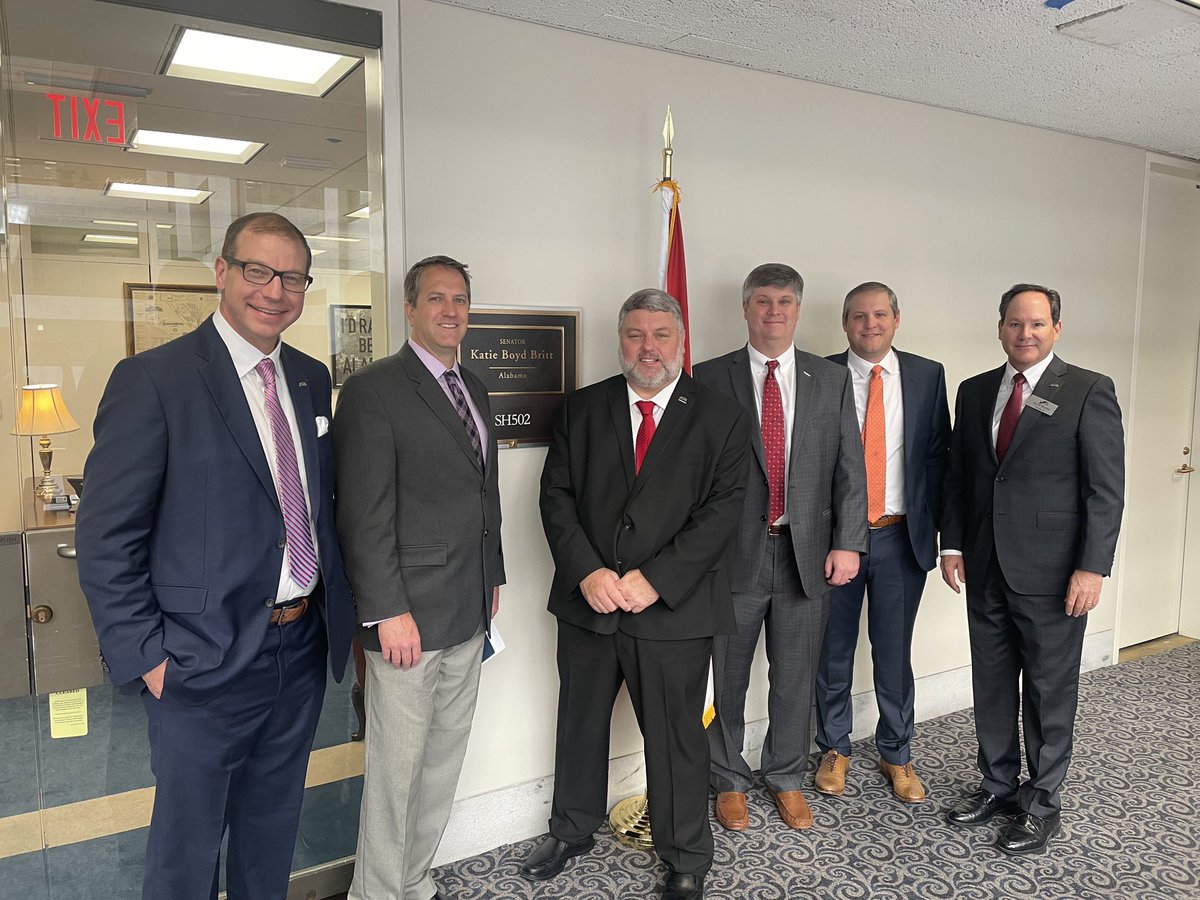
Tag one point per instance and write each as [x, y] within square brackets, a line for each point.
[269, 602]
[999, 478]
[280, 544]
[627, 527]
[485, 532]
[766, 483]
[762, 518]
[620, 562]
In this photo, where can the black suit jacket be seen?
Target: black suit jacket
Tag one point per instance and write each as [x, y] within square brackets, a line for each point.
[926, 447]
[419, 520]
[1054, 505]
[673, 519]
[180, 537]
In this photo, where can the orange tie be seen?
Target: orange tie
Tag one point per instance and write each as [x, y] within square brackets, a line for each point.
[875, 446]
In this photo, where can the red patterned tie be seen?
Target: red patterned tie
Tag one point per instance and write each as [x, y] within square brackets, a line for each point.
[875, 446]
[1008, 418]
[645, 433]
[773, 441]
[302, 560]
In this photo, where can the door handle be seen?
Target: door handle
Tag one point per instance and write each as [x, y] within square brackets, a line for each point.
[1182, 470]
[66, 551]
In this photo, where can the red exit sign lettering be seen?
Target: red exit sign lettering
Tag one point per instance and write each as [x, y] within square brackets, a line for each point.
[87, 120]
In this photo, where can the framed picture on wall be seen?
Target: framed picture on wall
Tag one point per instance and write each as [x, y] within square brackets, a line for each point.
[158, 313]
[350, 340]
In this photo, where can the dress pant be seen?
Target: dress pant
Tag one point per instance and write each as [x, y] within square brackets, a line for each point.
[667, 682]
[418, 723]
[892, 581]
[795, 627]
[236, 762]
[1025, 656]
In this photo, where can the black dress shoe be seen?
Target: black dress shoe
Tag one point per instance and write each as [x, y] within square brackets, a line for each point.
[1028, 833]
[550, 856]
[682, 886]
[980, 807]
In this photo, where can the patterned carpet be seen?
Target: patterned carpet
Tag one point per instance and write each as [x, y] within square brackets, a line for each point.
[1131, 817]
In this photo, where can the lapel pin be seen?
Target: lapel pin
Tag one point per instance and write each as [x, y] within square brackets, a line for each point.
[1054, 384]
[303, 384]
[806, 375]
[682, 400]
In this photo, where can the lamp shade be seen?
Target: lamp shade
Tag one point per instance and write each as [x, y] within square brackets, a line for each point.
[43, 411]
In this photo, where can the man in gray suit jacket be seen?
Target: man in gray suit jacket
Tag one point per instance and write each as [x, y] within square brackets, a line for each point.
[802, 530]
[901, 404]
[1033, 506]
[420, 530]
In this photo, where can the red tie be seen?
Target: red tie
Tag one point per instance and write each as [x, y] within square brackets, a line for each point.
[875, 445]
[1008, 419]
[645, 433]
[772, 438]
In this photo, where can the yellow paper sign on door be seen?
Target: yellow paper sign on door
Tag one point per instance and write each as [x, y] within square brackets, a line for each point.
[68, 713]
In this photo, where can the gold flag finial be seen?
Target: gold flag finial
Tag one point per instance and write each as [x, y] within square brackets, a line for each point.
[668, 136]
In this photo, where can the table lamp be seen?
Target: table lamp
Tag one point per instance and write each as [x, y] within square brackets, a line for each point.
[43, 412]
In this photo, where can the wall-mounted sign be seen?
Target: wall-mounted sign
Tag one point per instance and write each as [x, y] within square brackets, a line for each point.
[350, 337]
[529, 361]
[84, 119]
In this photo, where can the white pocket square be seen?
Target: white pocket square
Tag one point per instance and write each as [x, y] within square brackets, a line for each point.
[322, 426]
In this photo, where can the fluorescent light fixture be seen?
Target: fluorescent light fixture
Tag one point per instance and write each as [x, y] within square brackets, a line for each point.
[161, 225]
[330, 237]
[317, 252]
[363, 213]
[194, 146]
[115, 223]
[110, 239]
[225, 59]
[128, 191]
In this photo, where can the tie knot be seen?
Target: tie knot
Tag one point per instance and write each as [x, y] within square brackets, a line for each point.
[266, 370]
[772, 365]
[1019, 378]
[876, 371]
[646, 407]
[450, 375]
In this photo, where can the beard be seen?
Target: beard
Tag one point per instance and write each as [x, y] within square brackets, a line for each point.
[652, 379]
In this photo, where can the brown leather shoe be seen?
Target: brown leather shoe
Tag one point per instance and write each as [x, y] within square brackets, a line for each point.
[831, 774]
[731, 810]
[793, 809]
[905, 783]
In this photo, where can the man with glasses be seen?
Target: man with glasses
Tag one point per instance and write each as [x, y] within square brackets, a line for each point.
[209, 557]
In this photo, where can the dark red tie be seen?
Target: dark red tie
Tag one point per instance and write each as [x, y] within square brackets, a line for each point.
[645, 432]
[773, 442]
[1008, 419]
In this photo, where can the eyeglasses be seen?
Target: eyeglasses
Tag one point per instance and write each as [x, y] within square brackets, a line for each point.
[257, 273]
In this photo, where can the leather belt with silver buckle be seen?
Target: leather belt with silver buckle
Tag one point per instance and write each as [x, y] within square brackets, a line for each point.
[285, 615]
[885, 521]
[778, 530]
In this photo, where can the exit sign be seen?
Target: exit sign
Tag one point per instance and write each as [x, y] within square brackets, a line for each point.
[84, 119]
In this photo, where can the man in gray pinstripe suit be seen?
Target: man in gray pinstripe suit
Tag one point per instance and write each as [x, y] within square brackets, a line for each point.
[802, 530]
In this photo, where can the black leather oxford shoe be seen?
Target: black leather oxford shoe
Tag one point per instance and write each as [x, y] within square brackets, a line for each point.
[982, 806]
[1028, 833]
[550, 856]
[681, 886]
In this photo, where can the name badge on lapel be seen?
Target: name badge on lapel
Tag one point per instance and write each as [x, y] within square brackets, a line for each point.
[1041, 404]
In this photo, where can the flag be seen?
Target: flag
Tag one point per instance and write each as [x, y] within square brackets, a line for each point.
[672, 266]
[672, 278]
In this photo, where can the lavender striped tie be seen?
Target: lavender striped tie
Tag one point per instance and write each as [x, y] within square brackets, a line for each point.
[302, 559]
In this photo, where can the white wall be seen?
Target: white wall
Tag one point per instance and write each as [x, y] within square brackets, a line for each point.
[529, 153]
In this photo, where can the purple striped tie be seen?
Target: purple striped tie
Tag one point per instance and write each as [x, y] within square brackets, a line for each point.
[302, 559]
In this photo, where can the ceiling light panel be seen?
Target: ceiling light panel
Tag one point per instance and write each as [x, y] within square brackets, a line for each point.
[222, 58]
[110, 239]
[128, 191]
[194, 146]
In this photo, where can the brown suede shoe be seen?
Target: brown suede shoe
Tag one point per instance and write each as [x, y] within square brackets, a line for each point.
[905, 783]
[793, 809]
[731, 810]
[831, 774]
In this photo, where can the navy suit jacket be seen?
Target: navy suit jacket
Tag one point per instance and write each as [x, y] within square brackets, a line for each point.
[926, 447]
[180, 533]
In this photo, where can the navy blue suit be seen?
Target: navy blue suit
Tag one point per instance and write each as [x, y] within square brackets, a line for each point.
[180, 546]
[893, 575]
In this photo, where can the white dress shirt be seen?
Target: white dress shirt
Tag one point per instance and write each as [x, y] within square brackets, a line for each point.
[245, 357]
[785, 376]
[893, 419]
[660, 401]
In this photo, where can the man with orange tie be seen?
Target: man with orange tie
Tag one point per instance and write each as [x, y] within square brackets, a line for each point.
[641, 492]
[801, 532]
[901, 403]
